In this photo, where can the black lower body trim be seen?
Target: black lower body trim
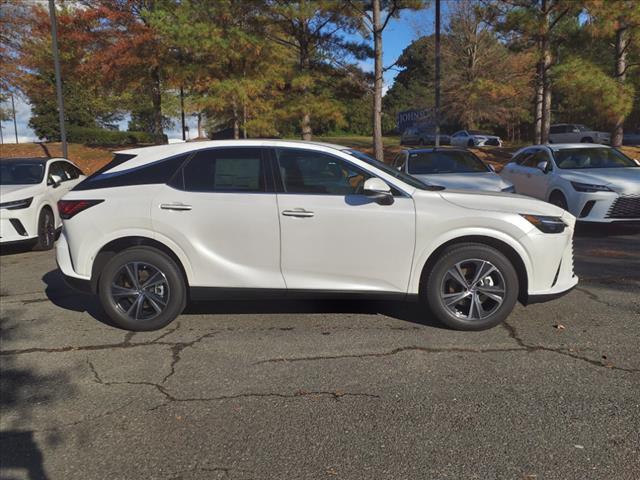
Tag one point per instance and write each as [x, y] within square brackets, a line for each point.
[221, 293]
[531, 299]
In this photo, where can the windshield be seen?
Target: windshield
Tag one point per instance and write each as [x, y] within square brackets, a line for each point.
[15, 172]
[414, 182]
[427, 163]
[582, 128]
[583, 158]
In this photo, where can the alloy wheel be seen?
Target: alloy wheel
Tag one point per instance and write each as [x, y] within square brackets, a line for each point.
[473, 289]
[140, 290]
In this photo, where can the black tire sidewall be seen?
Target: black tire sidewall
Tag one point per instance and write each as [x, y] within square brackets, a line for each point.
[42, 231]
[175, 278]
[450, 257]
[558, 199]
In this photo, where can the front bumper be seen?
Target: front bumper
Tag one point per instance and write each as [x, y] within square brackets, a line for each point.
[17, 225]
[607, 207]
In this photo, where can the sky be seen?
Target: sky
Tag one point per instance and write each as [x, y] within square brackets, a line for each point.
[397, 36]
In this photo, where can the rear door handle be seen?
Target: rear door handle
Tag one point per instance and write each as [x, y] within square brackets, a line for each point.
[298, 212]
[175, 206]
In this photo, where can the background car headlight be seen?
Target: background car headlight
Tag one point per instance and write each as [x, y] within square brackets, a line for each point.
[546, 224]
[17, 204]
[587, 187]
[509, 189]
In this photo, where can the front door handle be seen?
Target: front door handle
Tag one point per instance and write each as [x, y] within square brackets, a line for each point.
[298, 212]
[175, 206]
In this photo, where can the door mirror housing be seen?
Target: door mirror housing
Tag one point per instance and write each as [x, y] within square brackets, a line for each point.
[542, 166]
[378, 190]
[55, 180]
[491, 167]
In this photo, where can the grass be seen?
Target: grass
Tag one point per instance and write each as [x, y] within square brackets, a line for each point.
[90, 159]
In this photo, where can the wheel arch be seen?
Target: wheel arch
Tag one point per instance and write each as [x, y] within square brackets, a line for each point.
[115, 246]
[503, 247]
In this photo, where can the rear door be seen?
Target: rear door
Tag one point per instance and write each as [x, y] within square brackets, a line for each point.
[334, 238]
[515, 171]
[221, 211]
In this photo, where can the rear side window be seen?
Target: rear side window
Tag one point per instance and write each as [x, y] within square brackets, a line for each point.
[225, 170]
[152, 173]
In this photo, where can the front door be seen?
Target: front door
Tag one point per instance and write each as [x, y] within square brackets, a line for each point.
[334, 237]
[221, 210]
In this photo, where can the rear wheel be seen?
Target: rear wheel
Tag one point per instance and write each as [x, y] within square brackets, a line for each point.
[558, 200]
[470, 143]
[471, 287]
[46, 230]
[141, 289]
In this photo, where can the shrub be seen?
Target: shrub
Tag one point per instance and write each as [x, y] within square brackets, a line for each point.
[107, 138]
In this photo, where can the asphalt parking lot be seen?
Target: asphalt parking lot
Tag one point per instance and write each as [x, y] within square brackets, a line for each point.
[296, 390]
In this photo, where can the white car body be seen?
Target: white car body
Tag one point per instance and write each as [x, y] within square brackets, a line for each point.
[21, 224]
[576, 133]
[487, 180]
[618, 200]
[470, 138]
[311, 242]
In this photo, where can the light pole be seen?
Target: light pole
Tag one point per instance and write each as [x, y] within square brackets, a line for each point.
[437, 73]
[56, 62]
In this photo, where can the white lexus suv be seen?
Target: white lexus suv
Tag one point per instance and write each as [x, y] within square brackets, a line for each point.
[160, 226]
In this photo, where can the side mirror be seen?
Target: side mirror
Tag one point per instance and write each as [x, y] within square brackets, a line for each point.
[491, 167]
[637, 161]
[542, 166]
[378, 190]
[55, 180]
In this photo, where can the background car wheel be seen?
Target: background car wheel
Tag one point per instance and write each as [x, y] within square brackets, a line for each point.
[471, 287]
[46, 230]
[142, 289]
[587, 140]
[558, 200]
[470, 143]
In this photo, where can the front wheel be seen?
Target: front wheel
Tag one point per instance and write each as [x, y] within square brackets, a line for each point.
[46, 230]
[471, 287]
[142, 289]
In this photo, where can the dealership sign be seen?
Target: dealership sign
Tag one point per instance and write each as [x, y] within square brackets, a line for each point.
[410, 118]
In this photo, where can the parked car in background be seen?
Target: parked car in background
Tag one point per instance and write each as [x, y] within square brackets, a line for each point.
[474, 138]
[631, 137]
[576, 133]
[594, 182]
[29, 190]
[418, 136]
[223, 219]
[452, 168]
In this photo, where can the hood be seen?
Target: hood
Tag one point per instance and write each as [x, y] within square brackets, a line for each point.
[486, 181]
[10, 193]
[500, 202]
[621, 180]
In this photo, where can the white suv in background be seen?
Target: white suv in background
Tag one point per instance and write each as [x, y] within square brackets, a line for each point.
[576, 133]
[161, 225]
[29, 190]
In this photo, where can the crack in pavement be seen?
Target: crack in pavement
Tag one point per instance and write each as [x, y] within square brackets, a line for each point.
[335, 395]
[511, 330]
[596, 298]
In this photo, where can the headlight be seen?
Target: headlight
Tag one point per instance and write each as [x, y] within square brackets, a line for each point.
[17, 204]
[587, 187]
[509, 189]
[546, 224]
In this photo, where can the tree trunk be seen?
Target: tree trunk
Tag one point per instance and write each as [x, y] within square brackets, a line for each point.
[306, 126]
[199, 125]
[156, 100]
[622, 41]
[244, 119]
[539, 96]
[378, 148]
[546, 103]
[236, 121]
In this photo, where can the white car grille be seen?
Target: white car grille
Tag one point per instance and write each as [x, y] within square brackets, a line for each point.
[626, 206]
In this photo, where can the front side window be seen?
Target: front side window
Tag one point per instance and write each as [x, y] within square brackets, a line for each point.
[311, 172]
[70, 171]
[57, 169]
[16, 172]
[584, 158]
[427, 163]
[225, 170]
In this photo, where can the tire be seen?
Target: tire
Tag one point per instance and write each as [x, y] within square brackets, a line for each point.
[587, 140]
[158, 304]
[470, 143]
[498, 279]
[46, 230]
[558, 200]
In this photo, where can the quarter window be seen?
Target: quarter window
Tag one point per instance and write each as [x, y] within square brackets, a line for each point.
[310, 172]
[225, 170]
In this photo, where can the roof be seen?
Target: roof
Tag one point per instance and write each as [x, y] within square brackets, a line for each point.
[443, 148]
[562, 146]
[30, 159]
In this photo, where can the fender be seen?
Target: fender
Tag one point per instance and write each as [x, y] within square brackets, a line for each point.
[422, 257]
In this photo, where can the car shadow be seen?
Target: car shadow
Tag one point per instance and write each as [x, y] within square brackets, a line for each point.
[65, 297]
[592, 229]
[17, 248]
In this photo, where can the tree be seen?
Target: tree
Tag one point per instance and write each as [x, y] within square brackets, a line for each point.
[619, 19]
[375, 16]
